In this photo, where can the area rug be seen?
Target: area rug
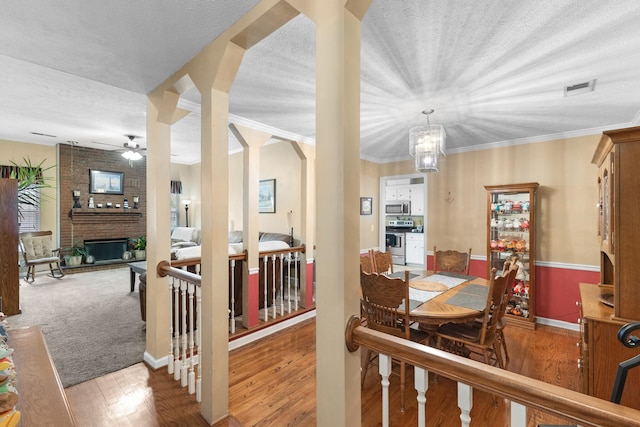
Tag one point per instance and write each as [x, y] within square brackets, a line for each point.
[91, 322]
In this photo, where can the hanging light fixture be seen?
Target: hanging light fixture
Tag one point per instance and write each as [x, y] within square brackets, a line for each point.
[427, 145]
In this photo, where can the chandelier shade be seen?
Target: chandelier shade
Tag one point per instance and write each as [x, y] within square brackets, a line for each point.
[427, 145]
[132, 155]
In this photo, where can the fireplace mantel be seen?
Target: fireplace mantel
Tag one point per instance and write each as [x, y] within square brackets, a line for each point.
[102, 215]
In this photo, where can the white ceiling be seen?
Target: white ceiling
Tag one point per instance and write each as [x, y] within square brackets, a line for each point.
[493, 71]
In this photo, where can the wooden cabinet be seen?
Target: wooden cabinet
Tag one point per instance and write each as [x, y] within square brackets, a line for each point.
[414, 248]
[618, 158]
[9, 271]
[511, 229]
[601, 352]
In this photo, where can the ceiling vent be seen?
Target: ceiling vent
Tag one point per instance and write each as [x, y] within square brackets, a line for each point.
[580, 88]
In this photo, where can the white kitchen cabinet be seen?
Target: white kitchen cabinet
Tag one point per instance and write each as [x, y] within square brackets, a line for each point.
[417, 199]
[404, 193]
[414, 248]
[398, 192]
[391, 193]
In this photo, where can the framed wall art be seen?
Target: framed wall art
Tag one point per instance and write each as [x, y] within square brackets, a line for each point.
[366, 206]
[267, 196]
[103, 182]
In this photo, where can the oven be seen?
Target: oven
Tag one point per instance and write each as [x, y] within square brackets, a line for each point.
[395, 240]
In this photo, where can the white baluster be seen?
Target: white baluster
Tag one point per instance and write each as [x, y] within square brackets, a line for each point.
[273, 284]
[518, 415]
[281, 284]
[289, 258]
[185, 343]
[176, 330]
[232, 320]
[295, 280]
[384, 368]
[198, 341]
[266, 287]
[421, 383]
[170, 364]
[192, 375]
[465, 403]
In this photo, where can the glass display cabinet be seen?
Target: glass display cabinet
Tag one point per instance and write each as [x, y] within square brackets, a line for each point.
[510, 238]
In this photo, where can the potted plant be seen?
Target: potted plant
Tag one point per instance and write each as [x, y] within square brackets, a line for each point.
[76, 252]
[139, 247]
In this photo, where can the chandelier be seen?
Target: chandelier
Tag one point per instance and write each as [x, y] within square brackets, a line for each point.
[427, 145]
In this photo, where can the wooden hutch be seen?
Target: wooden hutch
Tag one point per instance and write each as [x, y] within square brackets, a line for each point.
[616, 300]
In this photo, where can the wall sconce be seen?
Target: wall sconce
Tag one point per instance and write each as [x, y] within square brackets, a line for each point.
[76, 199]
[186, 204]
[136, 202]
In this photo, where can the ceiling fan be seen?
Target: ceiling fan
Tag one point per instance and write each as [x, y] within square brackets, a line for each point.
[132, 150]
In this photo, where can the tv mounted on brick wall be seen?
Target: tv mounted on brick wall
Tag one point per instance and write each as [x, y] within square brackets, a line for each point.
[104, 182]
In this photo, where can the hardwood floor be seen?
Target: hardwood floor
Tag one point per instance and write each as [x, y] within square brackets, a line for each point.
[272, 383]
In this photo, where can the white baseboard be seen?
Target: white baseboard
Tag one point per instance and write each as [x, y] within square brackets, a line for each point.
[247, 339]
[155, 363]
[558, 323]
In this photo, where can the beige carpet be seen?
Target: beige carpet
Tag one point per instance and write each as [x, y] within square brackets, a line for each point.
[91, 322]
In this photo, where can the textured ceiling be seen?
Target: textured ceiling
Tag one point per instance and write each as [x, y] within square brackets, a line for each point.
[493, 71]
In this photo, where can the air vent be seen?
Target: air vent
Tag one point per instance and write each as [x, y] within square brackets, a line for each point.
[43, 134]
[580, 88]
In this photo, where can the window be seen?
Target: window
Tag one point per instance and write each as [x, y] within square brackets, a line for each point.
[175, 204]
[30, 219]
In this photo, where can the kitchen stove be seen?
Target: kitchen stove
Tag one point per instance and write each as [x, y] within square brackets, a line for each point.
[395, 233]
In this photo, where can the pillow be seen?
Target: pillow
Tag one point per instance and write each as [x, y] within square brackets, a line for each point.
[190, 252]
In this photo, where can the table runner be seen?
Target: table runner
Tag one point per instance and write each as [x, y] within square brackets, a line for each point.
[422, 295]
[474, 297]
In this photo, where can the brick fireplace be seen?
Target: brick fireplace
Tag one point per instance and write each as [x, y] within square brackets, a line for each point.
[99, 224]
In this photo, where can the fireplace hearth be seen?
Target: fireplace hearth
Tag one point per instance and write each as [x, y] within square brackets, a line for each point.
[106, 249]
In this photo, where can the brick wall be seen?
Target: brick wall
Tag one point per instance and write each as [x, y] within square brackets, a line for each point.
[84, 223]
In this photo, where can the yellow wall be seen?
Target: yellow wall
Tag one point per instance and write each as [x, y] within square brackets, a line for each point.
[278, 161]
[16, 152]
[370, 187]
[566, 214]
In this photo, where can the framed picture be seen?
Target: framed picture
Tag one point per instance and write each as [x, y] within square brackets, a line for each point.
[267, 196]
[103, 182]
[366, 206]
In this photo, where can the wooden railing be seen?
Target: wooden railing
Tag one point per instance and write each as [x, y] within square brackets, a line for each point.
[185, 300]
[523, 392]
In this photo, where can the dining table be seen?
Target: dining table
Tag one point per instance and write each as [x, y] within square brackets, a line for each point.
[441, 297]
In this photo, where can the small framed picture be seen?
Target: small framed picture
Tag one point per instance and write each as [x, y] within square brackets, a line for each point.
[267, 194]
[366, 206]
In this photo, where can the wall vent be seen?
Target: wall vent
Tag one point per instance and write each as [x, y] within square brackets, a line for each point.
[580, 88]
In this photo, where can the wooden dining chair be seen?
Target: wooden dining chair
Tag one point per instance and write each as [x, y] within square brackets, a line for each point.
[384, 301]
[382, 262]
[366, 262]
[451, 261]
[510, 271]
[481, 340]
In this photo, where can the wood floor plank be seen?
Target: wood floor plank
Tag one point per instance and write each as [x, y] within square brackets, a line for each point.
[272, 383]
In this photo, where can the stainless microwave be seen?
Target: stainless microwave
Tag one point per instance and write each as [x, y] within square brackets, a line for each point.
[398, 208]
